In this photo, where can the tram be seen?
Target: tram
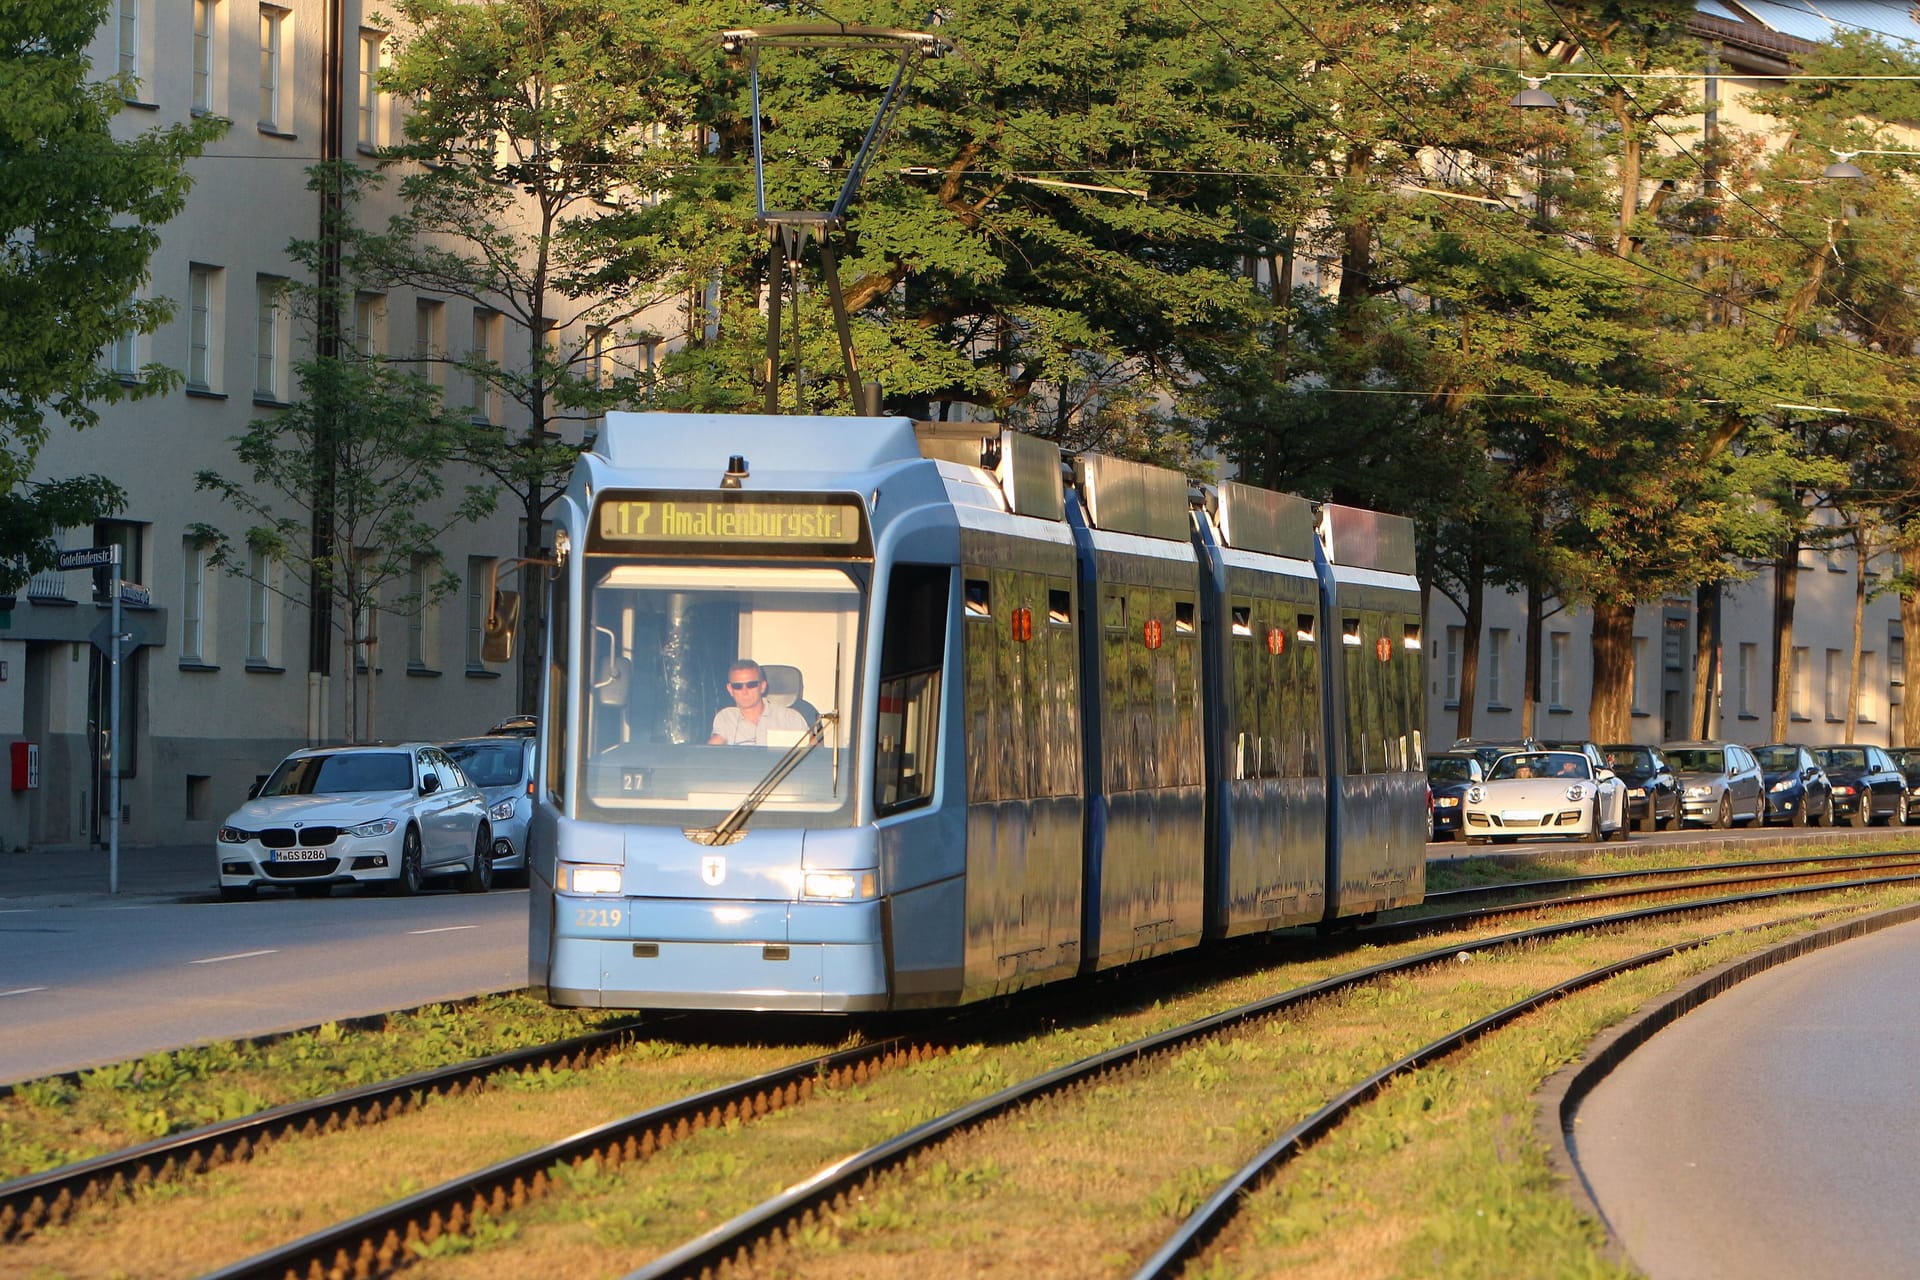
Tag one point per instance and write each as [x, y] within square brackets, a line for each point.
[853, 714]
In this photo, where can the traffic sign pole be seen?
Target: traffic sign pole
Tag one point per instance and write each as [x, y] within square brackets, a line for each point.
[113, 746]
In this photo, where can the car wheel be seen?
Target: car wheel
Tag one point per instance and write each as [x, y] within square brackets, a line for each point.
[479, 877]
[1899, 815]
[1799, 816]
[319, 890]
[1723, 816]
[238, 893]
[411, 877]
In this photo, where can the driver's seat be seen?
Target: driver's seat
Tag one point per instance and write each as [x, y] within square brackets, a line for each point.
[784, 688]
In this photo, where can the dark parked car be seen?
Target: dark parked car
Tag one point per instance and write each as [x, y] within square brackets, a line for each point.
[1449, 774]
[1798, 792]
[1653, 793]
[1866, 786]
[1907, 760]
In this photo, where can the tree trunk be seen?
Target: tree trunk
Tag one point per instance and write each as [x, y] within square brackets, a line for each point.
[1706, 657]
[1908, 726]
[1610, 711]
[1473, 624]
[1786, 581]
[1530, 669]
[1861, 550]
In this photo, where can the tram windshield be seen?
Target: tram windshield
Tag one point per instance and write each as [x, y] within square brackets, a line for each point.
[701, 678]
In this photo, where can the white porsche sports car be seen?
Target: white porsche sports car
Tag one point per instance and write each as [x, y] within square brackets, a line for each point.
[1529, 794]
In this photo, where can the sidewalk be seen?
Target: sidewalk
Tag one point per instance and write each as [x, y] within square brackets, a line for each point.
[79, 877]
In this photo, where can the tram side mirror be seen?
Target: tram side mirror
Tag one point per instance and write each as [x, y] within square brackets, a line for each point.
[496, 637]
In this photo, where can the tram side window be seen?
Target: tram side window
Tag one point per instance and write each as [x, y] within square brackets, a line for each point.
[1366, 678]
[912, 651]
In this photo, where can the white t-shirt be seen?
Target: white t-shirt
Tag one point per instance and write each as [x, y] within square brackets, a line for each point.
[735, 730]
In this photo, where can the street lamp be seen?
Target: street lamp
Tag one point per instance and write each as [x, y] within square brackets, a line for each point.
[1844, 170]
[1533, 96]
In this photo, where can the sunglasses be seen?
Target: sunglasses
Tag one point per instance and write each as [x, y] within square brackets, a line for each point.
[745, 684]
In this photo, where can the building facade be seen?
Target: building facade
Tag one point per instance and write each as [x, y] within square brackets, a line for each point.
[220, 682]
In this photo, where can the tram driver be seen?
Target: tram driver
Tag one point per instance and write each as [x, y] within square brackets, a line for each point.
[751, 718]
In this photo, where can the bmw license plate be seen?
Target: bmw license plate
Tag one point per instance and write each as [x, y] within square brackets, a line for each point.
[299, 855]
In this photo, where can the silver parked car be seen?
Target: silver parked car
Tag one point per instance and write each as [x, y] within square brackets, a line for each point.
[502, 767]
[1721, 784]
[391, 816]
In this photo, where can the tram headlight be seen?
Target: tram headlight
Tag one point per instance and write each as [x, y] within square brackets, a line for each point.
[838, 884]
[586, 879]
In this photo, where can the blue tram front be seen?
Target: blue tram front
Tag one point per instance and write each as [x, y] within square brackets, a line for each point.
[847, 715]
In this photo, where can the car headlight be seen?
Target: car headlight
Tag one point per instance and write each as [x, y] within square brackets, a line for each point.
[1446, 802]
[1699, 792]
[503, 810]
[1638, 793]
[838, 884]
[1785, 784]
[378, 827]
[587, 879]
[1475, 795]
[235, 835]
[1576, 792]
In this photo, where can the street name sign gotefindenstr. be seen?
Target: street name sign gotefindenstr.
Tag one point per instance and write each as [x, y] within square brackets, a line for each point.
[87, 558]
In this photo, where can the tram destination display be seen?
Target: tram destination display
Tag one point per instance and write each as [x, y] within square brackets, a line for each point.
[784, 524]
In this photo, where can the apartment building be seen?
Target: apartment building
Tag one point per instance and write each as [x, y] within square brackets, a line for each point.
[220, 685]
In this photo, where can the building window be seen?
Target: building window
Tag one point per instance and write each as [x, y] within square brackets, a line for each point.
[270, 336]
[130, 44]
[430, 339]
[1836, 685]
[370, 324]
[202, 56]
[1496, 664]
[420, 614]
[193, 600]
[123, 356]
[203, 326]
[479, 577]
[483, 356]
[1557, 669]
[259, 608]
[1800, 682]
[371, 99]
[273, 53]
[1749, 662]
[1450, 673]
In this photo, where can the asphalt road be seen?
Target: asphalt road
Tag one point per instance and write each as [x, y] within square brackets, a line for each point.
[85, 985]
[1771, 1131]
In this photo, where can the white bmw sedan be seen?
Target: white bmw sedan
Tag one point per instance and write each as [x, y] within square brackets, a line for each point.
[390, 816]
[1545, 793]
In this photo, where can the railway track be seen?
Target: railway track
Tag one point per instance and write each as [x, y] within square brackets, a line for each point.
[375, 1242]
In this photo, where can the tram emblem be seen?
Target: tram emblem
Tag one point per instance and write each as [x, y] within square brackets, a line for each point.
[713, 868]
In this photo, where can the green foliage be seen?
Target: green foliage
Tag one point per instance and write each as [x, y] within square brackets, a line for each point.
[80, 217]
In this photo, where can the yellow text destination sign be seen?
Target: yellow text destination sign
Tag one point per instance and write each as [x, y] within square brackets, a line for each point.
[692, 520]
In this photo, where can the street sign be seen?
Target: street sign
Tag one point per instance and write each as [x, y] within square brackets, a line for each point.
[86, 558]
[131, 636]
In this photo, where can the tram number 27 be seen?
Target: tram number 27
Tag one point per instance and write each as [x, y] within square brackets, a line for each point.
[596, 917]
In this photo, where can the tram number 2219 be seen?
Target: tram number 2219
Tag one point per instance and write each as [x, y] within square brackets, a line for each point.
[596, 918]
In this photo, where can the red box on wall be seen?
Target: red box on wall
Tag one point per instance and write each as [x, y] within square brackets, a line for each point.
[26, 765]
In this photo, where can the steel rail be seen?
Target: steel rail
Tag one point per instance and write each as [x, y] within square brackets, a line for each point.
[1206, 1222]
[377, 1242]
[737, 1241]
[43, 1199]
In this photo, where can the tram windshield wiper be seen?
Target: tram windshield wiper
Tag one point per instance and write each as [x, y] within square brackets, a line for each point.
[728, 829]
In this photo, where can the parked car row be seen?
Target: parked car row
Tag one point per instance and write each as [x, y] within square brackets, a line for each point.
[390, 816]
[1478, 793]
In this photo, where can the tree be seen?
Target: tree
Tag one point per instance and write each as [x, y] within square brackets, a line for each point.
[80, 217]
[385, 454]
[537, 126]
